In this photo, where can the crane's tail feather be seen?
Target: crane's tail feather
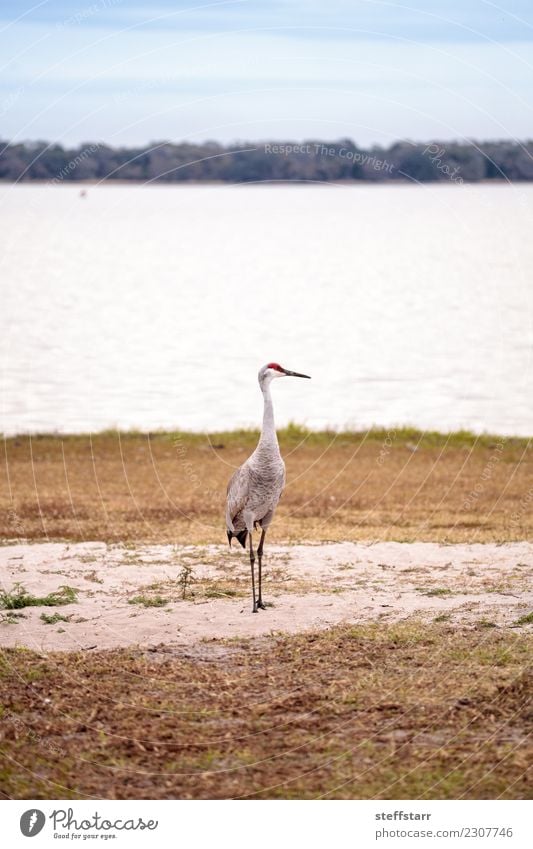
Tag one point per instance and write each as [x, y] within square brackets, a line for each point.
[241, 536]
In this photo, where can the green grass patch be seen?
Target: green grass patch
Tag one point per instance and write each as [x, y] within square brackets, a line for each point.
[294, 433]
[149, 601]
[525, 620]
[18, 598]
[435, 591]
[52, 618]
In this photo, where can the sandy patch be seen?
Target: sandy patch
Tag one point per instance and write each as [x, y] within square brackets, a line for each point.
[310, 586]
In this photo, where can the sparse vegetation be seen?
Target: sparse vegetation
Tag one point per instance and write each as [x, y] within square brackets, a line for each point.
[92, 576]
[185, 578]
[214, 592]
[12, 617]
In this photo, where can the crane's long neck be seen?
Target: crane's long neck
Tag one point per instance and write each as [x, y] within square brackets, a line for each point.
[269, 438]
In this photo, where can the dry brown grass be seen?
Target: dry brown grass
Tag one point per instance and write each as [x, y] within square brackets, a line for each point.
[404, 711]
[171, 487]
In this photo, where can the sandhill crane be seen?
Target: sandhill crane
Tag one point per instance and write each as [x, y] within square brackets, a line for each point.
[255, 488]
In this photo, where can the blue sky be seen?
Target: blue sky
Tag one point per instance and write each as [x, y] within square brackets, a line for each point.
[133, 72]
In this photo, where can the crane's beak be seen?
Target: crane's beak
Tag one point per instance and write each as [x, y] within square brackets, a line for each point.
[296, 374]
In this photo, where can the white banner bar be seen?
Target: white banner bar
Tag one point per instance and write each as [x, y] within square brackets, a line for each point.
[267, 824]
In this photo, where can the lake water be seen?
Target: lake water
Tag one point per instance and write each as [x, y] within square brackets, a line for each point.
[154, 307]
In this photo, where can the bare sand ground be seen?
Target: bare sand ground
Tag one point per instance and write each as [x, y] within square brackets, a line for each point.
[309, 586]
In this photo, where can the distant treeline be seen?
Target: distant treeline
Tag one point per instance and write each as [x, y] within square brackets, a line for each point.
[269, 161]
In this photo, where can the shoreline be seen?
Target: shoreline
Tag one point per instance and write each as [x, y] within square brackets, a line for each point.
[289, 432]
[263, 183]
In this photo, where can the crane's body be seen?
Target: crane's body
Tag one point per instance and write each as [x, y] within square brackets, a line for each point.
[255, 488]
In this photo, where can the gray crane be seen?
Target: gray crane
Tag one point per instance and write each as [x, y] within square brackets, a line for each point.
[255, 488]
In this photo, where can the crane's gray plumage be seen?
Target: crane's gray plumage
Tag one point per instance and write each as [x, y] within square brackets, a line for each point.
[255, 487]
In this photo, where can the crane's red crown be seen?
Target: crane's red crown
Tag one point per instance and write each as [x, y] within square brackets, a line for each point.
[275, 366]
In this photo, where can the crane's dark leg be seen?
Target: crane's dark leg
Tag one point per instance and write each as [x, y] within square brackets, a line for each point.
[252, 561]
[260, 557]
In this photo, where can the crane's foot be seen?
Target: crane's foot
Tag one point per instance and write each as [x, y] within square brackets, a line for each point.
[254, 608]
[261, 604]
